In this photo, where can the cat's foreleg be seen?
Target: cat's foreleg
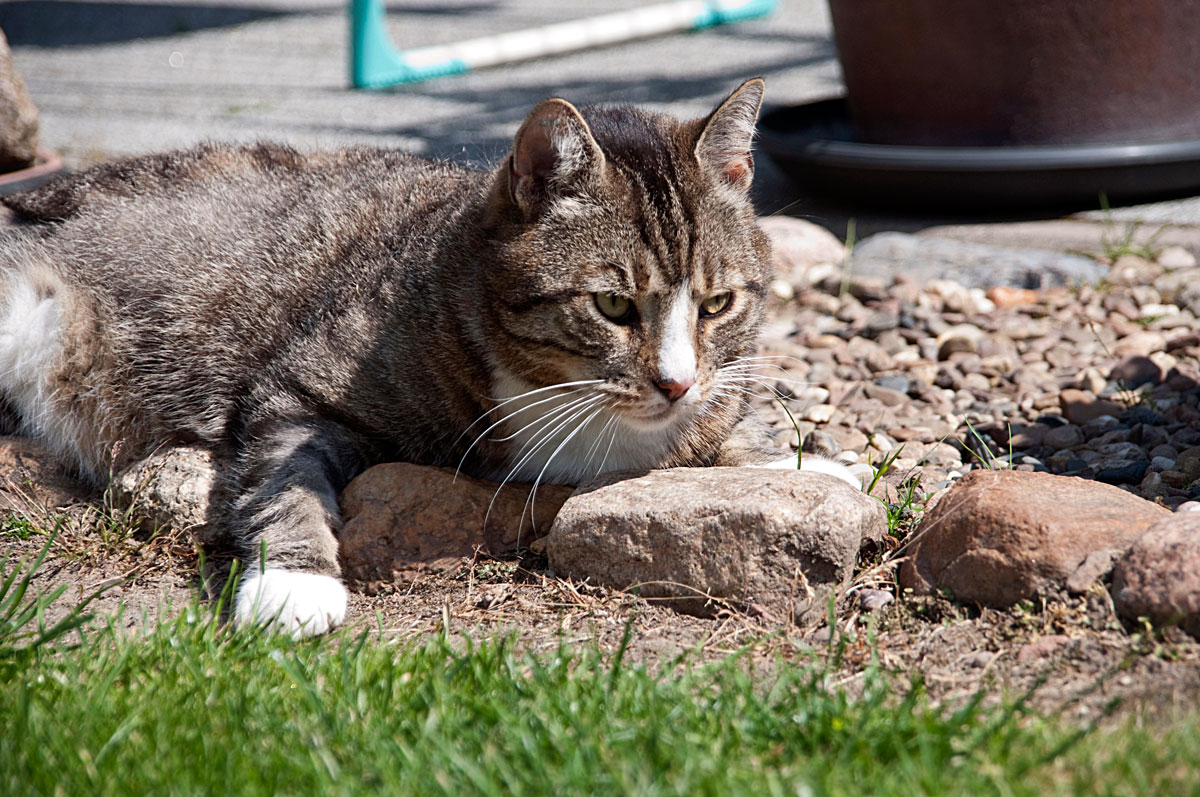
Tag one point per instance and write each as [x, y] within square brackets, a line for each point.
[287, 512]
[750, 445]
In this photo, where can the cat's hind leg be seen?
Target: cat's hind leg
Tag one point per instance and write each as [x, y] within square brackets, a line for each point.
[290, 477]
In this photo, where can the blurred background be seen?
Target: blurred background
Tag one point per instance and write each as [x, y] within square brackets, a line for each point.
[113, 78]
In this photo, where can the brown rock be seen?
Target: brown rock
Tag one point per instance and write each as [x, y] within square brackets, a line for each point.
[1004, 297]
[1096, 566]
[1082, 406]
[172, 489]
[998, 537]
[18, 116]
[779, 540]
[32, 481]
[403, 520]
[1159, 576]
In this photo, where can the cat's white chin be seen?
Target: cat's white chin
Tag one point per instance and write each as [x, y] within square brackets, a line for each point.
[291, 602]
[814, 464]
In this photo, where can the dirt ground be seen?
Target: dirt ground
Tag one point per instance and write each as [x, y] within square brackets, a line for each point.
[1073, 651]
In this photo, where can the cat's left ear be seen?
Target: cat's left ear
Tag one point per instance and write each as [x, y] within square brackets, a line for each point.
[726, 135]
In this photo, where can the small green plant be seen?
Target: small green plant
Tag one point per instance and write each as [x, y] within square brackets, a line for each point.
[851, 241]
[782, 402]
[885, 465]
[1114, 244]
[24, 629]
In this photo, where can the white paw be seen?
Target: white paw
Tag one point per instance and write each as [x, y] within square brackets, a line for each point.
[815, 464]
[291, 602]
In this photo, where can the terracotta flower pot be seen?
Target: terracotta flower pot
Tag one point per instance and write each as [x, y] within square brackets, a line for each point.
[1020, 72]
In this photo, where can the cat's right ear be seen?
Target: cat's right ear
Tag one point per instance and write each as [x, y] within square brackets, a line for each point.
[554, 154]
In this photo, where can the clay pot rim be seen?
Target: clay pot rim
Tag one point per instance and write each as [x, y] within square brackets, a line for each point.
[47, 164]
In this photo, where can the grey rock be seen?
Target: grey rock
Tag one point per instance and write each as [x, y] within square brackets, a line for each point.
[973, 265]
[1126, 472]
[171, 489]
[781, 540]
[897, 383]
[872, 600]
[820, 443]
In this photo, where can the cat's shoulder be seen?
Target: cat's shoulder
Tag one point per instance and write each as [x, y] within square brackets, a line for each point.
[186, 169]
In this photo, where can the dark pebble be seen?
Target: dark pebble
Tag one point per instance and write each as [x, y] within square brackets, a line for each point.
[1123, 473]
[1142, 414]
[897, 383]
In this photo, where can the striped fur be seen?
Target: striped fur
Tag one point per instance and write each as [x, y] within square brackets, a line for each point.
[305, 316]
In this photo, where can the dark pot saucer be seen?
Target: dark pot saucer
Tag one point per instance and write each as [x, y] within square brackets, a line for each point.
[814, 145]
[47, 166]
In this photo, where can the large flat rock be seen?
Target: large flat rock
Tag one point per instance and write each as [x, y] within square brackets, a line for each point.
[777, 541]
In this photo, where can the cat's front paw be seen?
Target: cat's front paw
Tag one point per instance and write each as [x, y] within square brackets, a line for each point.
[291, 602]
[815, 464]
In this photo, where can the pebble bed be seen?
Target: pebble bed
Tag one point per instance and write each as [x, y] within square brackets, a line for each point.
[1096, 381]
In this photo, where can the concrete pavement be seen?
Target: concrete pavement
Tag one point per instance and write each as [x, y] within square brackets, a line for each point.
[116, 77]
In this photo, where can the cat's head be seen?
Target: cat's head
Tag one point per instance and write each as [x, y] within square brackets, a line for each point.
[627, 268]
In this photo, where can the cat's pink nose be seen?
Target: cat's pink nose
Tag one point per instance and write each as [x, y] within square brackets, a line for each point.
[674, 390]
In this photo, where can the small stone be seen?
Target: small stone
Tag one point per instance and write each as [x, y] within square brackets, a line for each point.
[819, 413]
[1123, 472]
[1159, 576]
[872, 600]
[1080, 406]
[1029, 436]
[782, 289]
[821, 443]
[1173, 257]
[884, 395]
[1096, 566]
[898, 383]
[980, 659]
[1150, 312]
[958, 338]
[1007, 298]
[1129, 270]
[1063, 437]
[1136, 371]
[171, 489]
[880, 443]
[1159, 464]
[1140, 344]
[1188, 506]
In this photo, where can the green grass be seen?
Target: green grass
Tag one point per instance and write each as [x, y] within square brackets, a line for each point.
[191, 707]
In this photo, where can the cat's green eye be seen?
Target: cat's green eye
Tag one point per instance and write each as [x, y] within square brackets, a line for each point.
[614, 307]
[715, 304]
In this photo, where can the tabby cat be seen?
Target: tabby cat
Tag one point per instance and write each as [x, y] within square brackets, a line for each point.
[587, 306]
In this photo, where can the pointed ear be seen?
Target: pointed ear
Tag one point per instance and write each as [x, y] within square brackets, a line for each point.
[726, 135]
[554, 154]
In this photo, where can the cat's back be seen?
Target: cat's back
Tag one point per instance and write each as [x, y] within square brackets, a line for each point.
[253, 218]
